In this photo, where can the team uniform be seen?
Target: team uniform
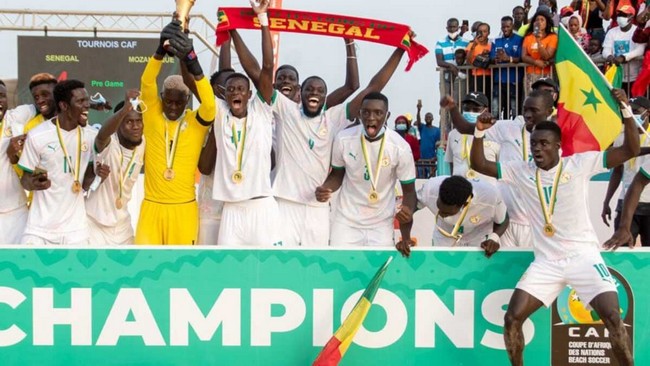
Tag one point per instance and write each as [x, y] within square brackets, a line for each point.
[57, 215]
[641, 219]
[570, 256]
[513, 139]
[303, 155]
[108, 223]
[169, 213]
[210, 211]
[13, 206]
[458, 154]
[356, 220]
[485, 209]
[250, 213]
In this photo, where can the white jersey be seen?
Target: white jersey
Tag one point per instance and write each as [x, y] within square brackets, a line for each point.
[256, 161]
[573, 230]
[352, 206]
[304, 149]
[458, 154]
[57, 210]
[513, 140]
[486, 208]
[631, 167]
[101, 204]
[11, 191]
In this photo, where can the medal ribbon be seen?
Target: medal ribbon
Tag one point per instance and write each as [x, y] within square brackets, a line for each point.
[374, 176]
[170, 151]
[548, 211]
[524, 144]
[643, 138]
[239, 141]
[127, 172]
[457, 225]
[75, 170]
[466, 151]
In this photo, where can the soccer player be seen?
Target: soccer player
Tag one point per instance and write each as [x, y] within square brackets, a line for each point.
[512, 137]
[467, 213]
[119, 144]
[169, 213]
[367, 162]
[553, 190]
[54, 161]
[459, 145]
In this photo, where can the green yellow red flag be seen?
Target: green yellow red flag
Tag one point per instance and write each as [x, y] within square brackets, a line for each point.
[336, 347]
[588, 114]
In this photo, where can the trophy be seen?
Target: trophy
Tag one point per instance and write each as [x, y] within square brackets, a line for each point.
[183, 12]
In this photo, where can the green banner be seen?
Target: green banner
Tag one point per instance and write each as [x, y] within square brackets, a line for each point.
[206, 306]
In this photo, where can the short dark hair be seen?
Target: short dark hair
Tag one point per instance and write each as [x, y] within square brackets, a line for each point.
[546, 97]
[288, 67]
[455, 190]
[507, 18]
[518, 7]
[549, 126]
[63, 91]
[40, 79]
[238, 75]
[452, 20]
[313, 77]
[215, 76]
[482, 23]
[459, 51]
[376, 96]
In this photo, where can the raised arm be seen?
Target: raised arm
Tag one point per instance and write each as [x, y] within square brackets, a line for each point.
[113, 122]
[418, 114]
[265, 87]
[377, 83]
[459, 122]
[477, 155]
[351, 85]
[248, 62]
[630, 148]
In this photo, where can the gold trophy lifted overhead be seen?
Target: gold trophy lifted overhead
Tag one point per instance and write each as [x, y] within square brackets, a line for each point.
[183, 12]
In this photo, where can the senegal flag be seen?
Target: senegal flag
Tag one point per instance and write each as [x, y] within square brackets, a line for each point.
[335, 348]
[587, 113]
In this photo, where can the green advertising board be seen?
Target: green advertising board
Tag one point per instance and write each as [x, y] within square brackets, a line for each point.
[209, 306]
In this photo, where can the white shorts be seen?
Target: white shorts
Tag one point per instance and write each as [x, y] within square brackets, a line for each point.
[209, 231]
[254, 222]
[585, 272]
[120, 234]
[12, 225]
[342, 235]
[308, 226]
[73, 238]
[517, 235]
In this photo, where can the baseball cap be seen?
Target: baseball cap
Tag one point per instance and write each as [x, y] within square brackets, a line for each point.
[543, 9]
[478, 98]
[627, 9]
[642, 102]
[545, 81]
[401, 116]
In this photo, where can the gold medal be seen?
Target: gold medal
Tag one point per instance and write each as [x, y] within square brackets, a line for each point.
[323, 131]
[169, 174]
[385, 161]
[565, 178]
[474, 219]
[373, 196]
[549, 230]
[76, 187]
[8, 132]
[237, 177]
[84, 147]
[471, 174]
[119, 203]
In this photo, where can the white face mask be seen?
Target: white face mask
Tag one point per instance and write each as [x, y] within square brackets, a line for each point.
[622, 21]
[453, 35]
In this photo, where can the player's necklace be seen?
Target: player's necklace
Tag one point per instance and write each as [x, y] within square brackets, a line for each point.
[549, 229]
[170, 149]
[524, 144]
[124, 174]
[373, 195]
[76, 185]
[466, 155]
[454, 231]
[240, 141]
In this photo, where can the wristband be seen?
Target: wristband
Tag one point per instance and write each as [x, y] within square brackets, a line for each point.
[264, 19]
[479, 134]
[626, 111]
[493, 236]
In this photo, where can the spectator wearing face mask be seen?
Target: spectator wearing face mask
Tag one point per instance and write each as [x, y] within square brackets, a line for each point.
[619, 47]
[445, 49]
[402, 126]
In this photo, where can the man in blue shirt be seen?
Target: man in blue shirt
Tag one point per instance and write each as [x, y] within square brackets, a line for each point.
[507, 97]
[429, 134]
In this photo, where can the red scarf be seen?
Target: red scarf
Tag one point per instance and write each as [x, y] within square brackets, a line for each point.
[282, 20]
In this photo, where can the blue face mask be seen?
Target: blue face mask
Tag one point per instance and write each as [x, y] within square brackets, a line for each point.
[639, 119]
[400, 127]
[471, 117]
